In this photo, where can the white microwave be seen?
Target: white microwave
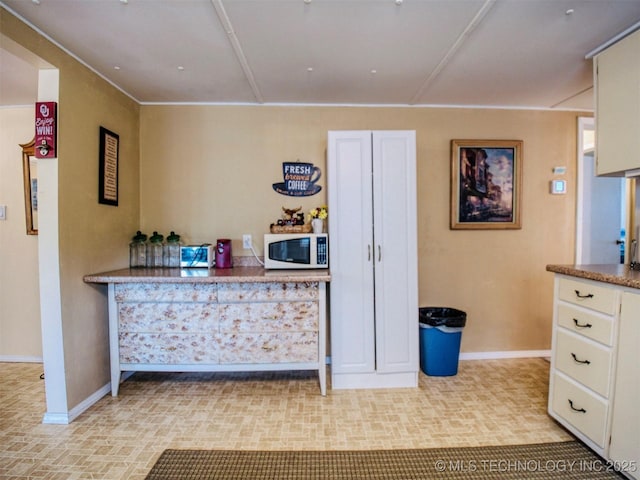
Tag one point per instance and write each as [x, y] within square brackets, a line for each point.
[296, 250]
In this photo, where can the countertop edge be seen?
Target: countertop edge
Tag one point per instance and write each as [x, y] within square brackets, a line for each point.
[620, 275]
[231, 275]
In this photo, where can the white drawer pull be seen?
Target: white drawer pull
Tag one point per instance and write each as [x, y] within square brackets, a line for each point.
[584, 325]
[575, 359]
[588, 295]
[581, 410]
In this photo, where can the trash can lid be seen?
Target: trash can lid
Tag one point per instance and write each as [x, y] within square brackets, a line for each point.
[442, 317]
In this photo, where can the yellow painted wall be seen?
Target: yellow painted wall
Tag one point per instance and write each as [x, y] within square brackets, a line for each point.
[207, 173]
[91, 236]
[20, 336]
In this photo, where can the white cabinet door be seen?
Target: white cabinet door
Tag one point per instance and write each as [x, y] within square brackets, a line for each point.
[395, 239]
[373, 258]
[351, 250]
[625, 429]
[617, 72]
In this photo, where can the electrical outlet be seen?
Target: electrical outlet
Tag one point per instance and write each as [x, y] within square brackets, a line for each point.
[246, 241]
[3, 212]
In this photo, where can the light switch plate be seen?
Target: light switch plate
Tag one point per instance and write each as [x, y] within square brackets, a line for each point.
[3, 212]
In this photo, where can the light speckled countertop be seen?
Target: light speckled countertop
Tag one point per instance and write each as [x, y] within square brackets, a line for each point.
[242, 274]
[611, 273]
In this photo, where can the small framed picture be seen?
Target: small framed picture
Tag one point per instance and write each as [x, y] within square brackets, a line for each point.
[108, 175]
[486, 183]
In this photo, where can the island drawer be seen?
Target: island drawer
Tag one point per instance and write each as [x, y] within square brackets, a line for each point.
[285, 347]
[587, 294]
[587, 323]
[585, 361]
[268, 317]
[167, 317]
[166, 292]
[264, 292]
[169, 348]
[582, 409]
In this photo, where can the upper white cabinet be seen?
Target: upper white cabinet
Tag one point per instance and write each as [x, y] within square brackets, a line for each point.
[373, 245]
[617, 87]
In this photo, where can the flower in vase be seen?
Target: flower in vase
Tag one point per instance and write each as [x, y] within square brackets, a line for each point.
[320, 212]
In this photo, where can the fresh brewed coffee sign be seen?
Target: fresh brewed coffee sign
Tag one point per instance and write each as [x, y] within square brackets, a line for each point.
[299, 179]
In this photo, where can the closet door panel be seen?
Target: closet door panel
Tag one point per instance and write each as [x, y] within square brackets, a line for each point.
[351, 252]
[395, 239]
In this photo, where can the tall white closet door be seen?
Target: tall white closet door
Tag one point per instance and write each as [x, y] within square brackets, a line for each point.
[373, 259]
[351, 248]
[395, 237]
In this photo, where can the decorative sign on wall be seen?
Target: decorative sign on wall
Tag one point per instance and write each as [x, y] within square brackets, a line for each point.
[299, 179]
[45, 141]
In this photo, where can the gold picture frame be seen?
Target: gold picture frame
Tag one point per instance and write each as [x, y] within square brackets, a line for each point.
[30, 176]
[486, 184]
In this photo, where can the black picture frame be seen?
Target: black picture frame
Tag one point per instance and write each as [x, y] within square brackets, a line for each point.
[108, 167]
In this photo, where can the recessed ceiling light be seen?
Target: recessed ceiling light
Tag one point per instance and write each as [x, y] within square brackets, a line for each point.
[124, 1]
[307, 2]
[374, 71]
[37, 2]
[309, 69]
[116, 67]
[569, 12]
[398, 2]
[180, 67]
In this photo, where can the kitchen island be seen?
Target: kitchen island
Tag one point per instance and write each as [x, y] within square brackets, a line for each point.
[594, 381]
[614, 274]
[216, 320]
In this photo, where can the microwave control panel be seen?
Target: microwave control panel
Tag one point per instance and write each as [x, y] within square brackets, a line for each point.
[322, 251]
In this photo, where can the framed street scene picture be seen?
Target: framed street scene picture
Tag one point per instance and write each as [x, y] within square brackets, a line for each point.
[486, 183]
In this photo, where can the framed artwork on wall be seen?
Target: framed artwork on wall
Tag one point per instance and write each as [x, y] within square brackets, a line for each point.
[30, 174]
[108, 175]
[486, 184]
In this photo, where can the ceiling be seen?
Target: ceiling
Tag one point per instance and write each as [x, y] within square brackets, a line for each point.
[502, 53]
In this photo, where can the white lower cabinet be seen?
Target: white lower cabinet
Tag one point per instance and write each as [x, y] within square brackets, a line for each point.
[373, 244]
[625, 429]
[593, 386]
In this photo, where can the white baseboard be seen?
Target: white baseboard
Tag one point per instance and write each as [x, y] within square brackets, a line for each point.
[75, 412]
[56, 419]
[497, 355]
[20, 359]
[506, 354]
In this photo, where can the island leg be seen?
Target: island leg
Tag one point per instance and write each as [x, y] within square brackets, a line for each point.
[114, 349]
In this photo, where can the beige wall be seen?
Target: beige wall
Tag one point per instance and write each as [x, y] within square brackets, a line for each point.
[207, 173]
[91, 236]
[20, 337]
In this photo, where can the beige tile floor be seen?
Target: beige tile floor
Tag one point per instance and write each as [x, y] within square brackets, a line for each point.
[495, 402]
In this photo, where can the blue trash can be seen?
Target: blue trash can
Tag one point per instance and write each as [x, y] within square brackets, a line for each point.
[440, 336]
